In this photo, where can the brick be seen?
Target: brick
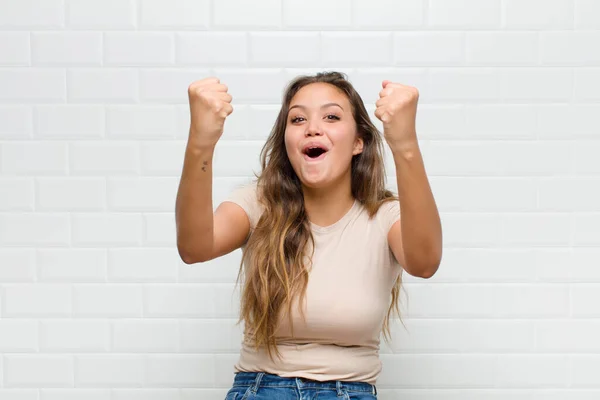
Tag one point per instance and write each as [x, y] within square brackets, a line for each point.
[137, 121]
[586, 85]
[488, 264]
[15, 49]
[69, 121]
[552, 370]
[47, 300]
[527, 158]
[569, 194]
[91, 158]
[462, 335]
[18, 265]
[34, 229]
[465, 14]
[66, 48]
[162, 158]
[565, 48]
[429, 49]
[104, 300]
[71, 265]
[180, 300]
[500, 121]
[238, 14]
[586, 14]
[112, 370]
[133, 49]
[464, 85]
[18, 336]
[538, 14]
[147, 265]
[364, 48]
[531, 85]
[210, 336]
[564, 121]
[583, 368]
[584, 157]
[246, 155]
[491, 194]
[506, 48]
[293, 48]
[110, 85]
[367, 82]
[472, 229]
[159, 230]
[398, 15]
[71, 194]
[211, 48]
[536, 229]
[38, 370]
[142, 194]
[567, 335]
[174, 14]
[107, 229]
[17, 122]
[438, 371]
[170, 86]
[314, 14]
[32, 85]
[106, 15]
[17, 194]
[140, 336]
[255, 85]
[188, 370]
[74, 336]
[32, 14]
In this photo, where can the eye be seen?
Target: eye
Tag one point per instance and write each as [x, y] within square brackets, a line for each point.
[328, 116]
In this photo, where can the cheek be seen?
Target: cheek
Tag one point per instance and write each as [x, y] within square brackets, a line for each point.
[290, 143]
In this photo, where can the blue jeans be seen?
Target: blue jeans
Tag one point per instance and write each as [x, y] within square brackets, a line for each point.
[262, 386]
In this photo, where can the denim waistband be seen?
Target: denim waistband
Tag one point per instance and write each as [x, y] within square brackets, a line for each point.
[262, 379]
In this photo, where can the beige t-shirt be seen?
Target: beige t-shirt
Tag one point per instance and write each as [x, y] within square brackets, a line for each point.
[347, 299]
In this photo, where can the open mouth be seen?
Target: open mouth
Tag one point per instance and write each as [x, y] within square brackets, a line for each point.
[314, 152]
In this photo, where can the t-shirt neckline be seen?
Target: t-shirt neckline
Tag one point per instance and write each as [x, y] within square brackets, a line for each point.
[336, 225]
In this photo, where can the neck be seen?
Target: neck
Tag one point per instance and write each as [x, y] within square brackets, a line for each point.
[325, 206]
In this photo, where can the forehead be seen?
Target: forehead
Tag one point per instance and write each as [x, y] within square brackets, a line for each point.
[319, 93]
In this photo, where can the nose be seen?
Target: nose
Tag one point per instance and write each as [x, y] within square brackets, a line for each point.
[313, 129]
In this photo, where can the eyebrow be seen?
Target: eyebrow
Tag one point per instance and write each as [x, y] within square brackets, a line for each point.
[323, 106]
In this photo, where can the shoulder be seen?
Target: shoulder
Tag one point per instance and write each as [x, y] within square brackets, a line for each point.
[387, 214]
[245, 195]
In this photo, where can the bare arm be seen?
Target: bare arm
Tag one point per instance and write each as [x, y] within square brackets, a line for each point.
[193, 206]
[202, 235]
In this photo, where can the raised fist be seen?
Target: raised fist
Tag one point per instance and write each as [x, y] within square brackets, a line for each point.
[210, 104]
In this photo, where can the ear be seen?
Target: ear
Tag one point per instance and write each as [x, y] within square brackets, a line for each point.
[358, 146]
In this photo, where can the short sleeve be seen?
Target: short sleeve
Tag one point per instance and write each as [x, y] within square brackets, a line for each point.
[246, 197]
[388, 214]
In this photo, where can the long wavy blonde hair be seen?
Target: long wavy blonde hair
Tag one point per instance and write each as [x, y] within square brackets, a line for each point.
[275, 253]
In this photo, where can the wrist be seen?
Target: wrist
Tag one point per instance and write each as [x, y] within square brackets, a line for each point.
[404, 149]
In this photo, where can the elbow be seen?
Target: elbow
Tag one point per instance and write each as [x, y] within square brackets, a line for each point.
[189, 257]
[425, 268]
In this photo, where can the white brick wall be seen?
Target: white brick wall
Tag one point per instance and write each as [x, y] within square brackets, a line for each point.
[95, 303]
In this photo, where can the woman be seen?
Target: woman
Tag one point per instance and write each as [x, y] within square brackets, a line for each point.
[322, 239]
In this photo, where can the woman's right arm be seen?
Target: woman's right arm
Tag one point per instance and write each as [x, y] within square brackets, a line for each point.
[202, 236]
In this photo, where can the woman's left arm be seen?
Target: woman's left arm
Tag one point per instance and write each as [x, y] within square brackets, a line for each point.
[416, 239]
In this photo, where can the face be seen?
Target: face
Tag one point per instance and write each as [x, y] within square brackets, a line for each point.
[320, 135]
